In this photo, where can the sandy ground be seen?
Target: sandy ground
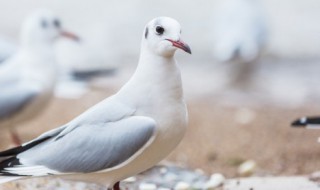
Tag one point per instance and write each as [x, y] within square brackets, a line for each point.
[275, 183]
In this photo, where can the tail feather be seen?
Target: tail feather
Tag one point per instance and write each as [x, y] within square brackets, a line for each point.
[307, 122]
[9, 163]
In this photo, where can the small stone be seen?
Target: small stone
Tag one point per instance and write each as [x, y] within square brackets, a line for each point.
[170, 176]
[163, 188]
[315, 176]
[199, 171]
[198, 185]
[247, 168]
[215, 181]
[147, 186]
[244, 116]
[163, 170]
[130, 179]
[182, 186]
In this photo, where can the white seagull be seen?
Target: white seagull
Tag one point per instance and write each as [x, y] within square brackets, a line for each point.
[240, 30]
[239, 37]
[27, 78]
[124, 134]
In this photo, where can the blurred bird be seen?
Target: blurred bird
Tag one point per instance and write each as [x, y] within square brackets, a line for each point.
[27, 78]
[239, 34]
[123, 135]
[240, 30]
[308, 122]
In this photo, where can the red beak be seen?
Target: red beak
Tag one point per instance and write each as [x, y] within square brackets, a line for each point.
[69, 35]
[181, 45]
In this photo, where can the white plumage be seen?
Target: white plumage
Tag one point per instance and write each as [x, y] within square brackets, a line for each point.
[27, 78]
[126, 133]
[240, 30]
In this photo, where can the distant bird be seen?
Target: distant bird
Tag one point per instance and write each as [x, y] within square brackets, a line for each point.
[7, 49]
[239, 34]
[308, 122]
[240, 30]
[124, 134]
[27, 78]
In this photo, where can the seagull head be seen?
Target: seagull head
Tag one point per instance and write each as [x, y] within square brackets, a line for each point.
[162, 36]
[43, 27]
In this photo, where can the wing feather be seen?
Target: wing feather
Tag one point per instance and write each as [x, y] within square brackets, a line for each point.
[87, 148]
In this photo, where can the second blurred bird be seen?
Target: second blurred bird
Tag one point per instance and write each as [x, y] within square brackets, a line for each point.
[28, 77]
[239, 34]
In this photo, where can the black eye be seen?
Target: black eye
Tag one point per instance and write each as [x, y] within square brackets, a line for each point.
[159, 30]
[44, 24]
[57, 23]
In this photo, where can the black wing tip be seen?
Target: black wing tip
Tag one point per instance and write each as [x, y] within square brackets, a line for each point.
[305, 121]
[299, 123]
[16, 150]
[11, 152]
[87, 75]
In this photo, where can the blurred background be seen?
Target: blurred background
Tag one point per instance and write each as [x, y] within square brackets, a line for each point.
[230, 122]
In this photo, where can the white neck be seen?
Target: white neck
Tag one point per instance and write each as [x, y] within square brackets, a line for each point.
[37, 45]
[155, 77]
[38, 65]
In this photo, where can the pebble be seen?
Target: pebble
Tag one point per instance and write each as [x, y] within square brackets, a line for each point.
[163, 188]
[147, 186]
[130, 179]
[199, 171]
[215, 180]
[167, 177]
[247, 168]
[163, 170]
[315, 176]
[244, 116]
[171, 176]
[182, 186]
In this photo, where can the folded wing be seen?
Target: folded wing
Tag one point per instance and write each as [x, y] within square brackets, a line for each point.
[87, 148]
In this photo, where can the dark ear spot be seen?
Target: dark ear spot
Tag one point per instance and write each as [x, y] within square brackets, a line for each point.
[146, 33]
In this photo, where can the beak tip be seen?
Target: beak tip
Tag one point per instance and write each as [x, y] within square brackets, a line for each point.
[181, 45]
[70, 36]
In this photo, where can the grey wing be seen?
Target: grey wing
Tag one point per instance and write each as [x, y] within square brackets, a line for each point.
[13, 98]
[88, 148]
